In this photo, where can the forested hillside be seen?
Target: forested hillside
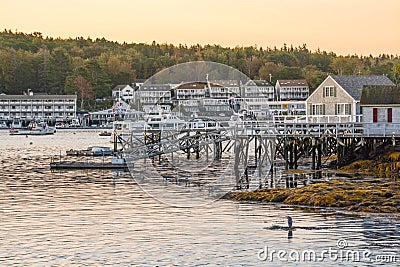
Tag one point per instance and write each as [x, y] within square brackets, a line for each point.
[59, 66]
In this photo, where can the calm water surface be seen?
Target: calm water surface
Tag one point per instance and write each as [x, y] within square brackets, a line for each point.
[97, 218]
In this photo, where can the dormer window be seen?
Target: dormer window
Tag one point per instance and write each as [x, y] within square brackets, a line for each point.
[329, 91]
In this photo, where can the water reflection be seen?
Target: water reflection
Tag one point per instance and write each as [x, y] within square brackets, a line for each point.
[95, 217]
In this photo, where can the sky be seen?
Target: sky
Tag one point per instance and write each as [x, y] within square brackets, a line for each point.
[346, 27]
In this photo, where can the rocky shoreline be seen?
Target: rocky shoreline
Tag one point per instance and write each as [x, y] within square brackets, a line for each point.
[377, 196]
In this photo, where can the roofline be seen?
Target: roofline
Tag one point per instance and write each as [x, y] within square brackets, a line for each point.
[380, 105]
[38, 97]
[329, 76]
[316, 89]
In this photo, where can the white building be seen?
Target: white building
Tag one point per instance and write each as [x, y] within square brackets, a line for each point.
[337, 98]
[150, 95]
[222, 89]
[125, 92]
[292, 89]
[37, 106]
[381, 110]
[258, 89]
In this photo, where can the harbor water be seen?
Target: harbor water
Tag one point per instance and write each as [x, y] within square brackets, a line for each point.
[104, 218]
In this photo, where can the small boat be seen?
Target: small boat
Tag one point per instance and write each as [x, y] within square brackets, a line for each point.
[115, 164]
[105, 133]
[16, 124]
[94, 151]
[34, 128]
[3, 125]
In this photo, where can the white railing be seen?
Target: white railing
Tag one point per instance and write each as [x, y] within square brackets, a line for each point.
[333, 118]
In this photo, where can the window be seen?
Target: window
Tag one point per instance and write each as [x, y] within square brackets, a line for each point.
[317, 109]
[375, 115]
[329, 91]
[342, 109]
[339, 109]
[389, 115]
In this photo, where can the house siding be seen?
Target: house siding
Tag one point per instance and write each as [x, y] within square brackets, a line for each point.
[330, 101]
[382, 126]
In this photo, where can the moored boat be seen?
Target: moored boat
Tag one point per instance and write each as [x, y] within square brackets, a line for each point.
[105, 133]
[34, 128]
[91, 151]
[3, 125]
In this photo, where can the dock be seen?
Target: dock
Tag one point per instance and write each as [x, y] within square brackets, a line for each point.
[80, 165]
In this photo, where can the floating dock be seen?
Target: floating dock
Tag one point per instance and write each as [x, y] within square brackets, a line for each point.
[64, 165]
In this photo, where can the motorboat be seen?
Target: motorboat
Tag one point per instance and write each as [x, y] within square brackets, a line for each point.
[3, 125]
[16, 124]
[164, 122]
[105, 133]
[34, 128]
[94, 151]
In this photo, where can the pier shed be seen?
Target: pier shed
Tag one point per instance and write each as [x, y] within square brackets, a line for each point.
[381, 110]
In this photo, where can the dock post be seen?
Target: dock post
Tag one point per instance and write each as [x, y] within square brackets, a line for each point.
[319, 162]
[255, 150]
[286, 156]
[291, 159]
[313, 154]
[295, 155]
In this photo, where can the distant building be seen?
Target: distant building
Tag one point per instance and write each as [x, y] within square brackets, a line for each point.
[125, 92]
[258, 89]
[150, 95]
[337, 98]
[138, 83]
[381, 110]
[188, 95]
[222, 89]
[292, 90]
[37, 106]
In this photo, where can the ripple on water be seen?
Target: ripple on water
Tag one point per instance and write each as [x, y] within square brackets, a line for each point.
[97, 218]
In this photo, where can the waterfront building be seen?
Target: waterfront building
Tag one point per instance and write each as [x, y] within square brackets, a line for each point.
[149, 95]
[381, 110]
[124, 92]
[222, 89]
[292, 90]
[258, 89]
[337, 98]
[37, 106]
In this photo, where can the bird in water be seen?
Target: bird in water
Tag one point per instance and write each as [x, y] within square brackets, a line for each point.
[290, 221]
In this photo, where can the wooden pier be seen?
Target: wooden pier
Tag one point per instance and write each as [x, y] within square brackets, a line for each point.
[258, 145]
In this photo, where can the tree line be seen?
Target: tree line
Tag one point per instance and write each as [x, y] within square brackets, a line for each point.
[91, 68]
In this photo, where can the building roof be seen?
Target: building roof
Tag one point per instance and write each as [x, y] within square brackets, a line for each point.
[192, 85]
[262, 83]
[120, 87]
[354, 84]
[258, 83]
[225, 83]
[155, 87]
[38, 97]
[380, 95]
[290, 83]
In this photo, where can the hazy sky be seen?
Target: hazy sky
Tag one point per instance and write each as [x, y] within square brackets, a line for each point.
[342, 26]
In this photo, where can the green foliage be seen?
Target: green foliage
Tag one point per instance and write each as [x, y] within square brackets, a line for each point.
[51, 65]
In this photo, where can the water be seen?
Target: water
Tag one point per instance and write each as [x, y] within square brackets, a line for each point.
[96, 218]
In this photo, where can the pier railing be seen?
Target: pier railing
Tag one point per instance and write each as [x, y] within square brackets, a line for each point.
[287, 129]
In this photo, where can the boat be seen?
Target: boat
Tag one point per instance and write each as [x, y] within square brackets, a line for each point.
[164, 122]
[117, 163]
[3, 125]
[61, 125]
[94, 151]
[105, 133]
[34, 128]
[16, 124]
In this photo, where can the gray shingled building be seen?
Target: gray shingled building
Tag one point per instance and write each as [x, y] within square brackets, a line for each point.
[337, 98]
